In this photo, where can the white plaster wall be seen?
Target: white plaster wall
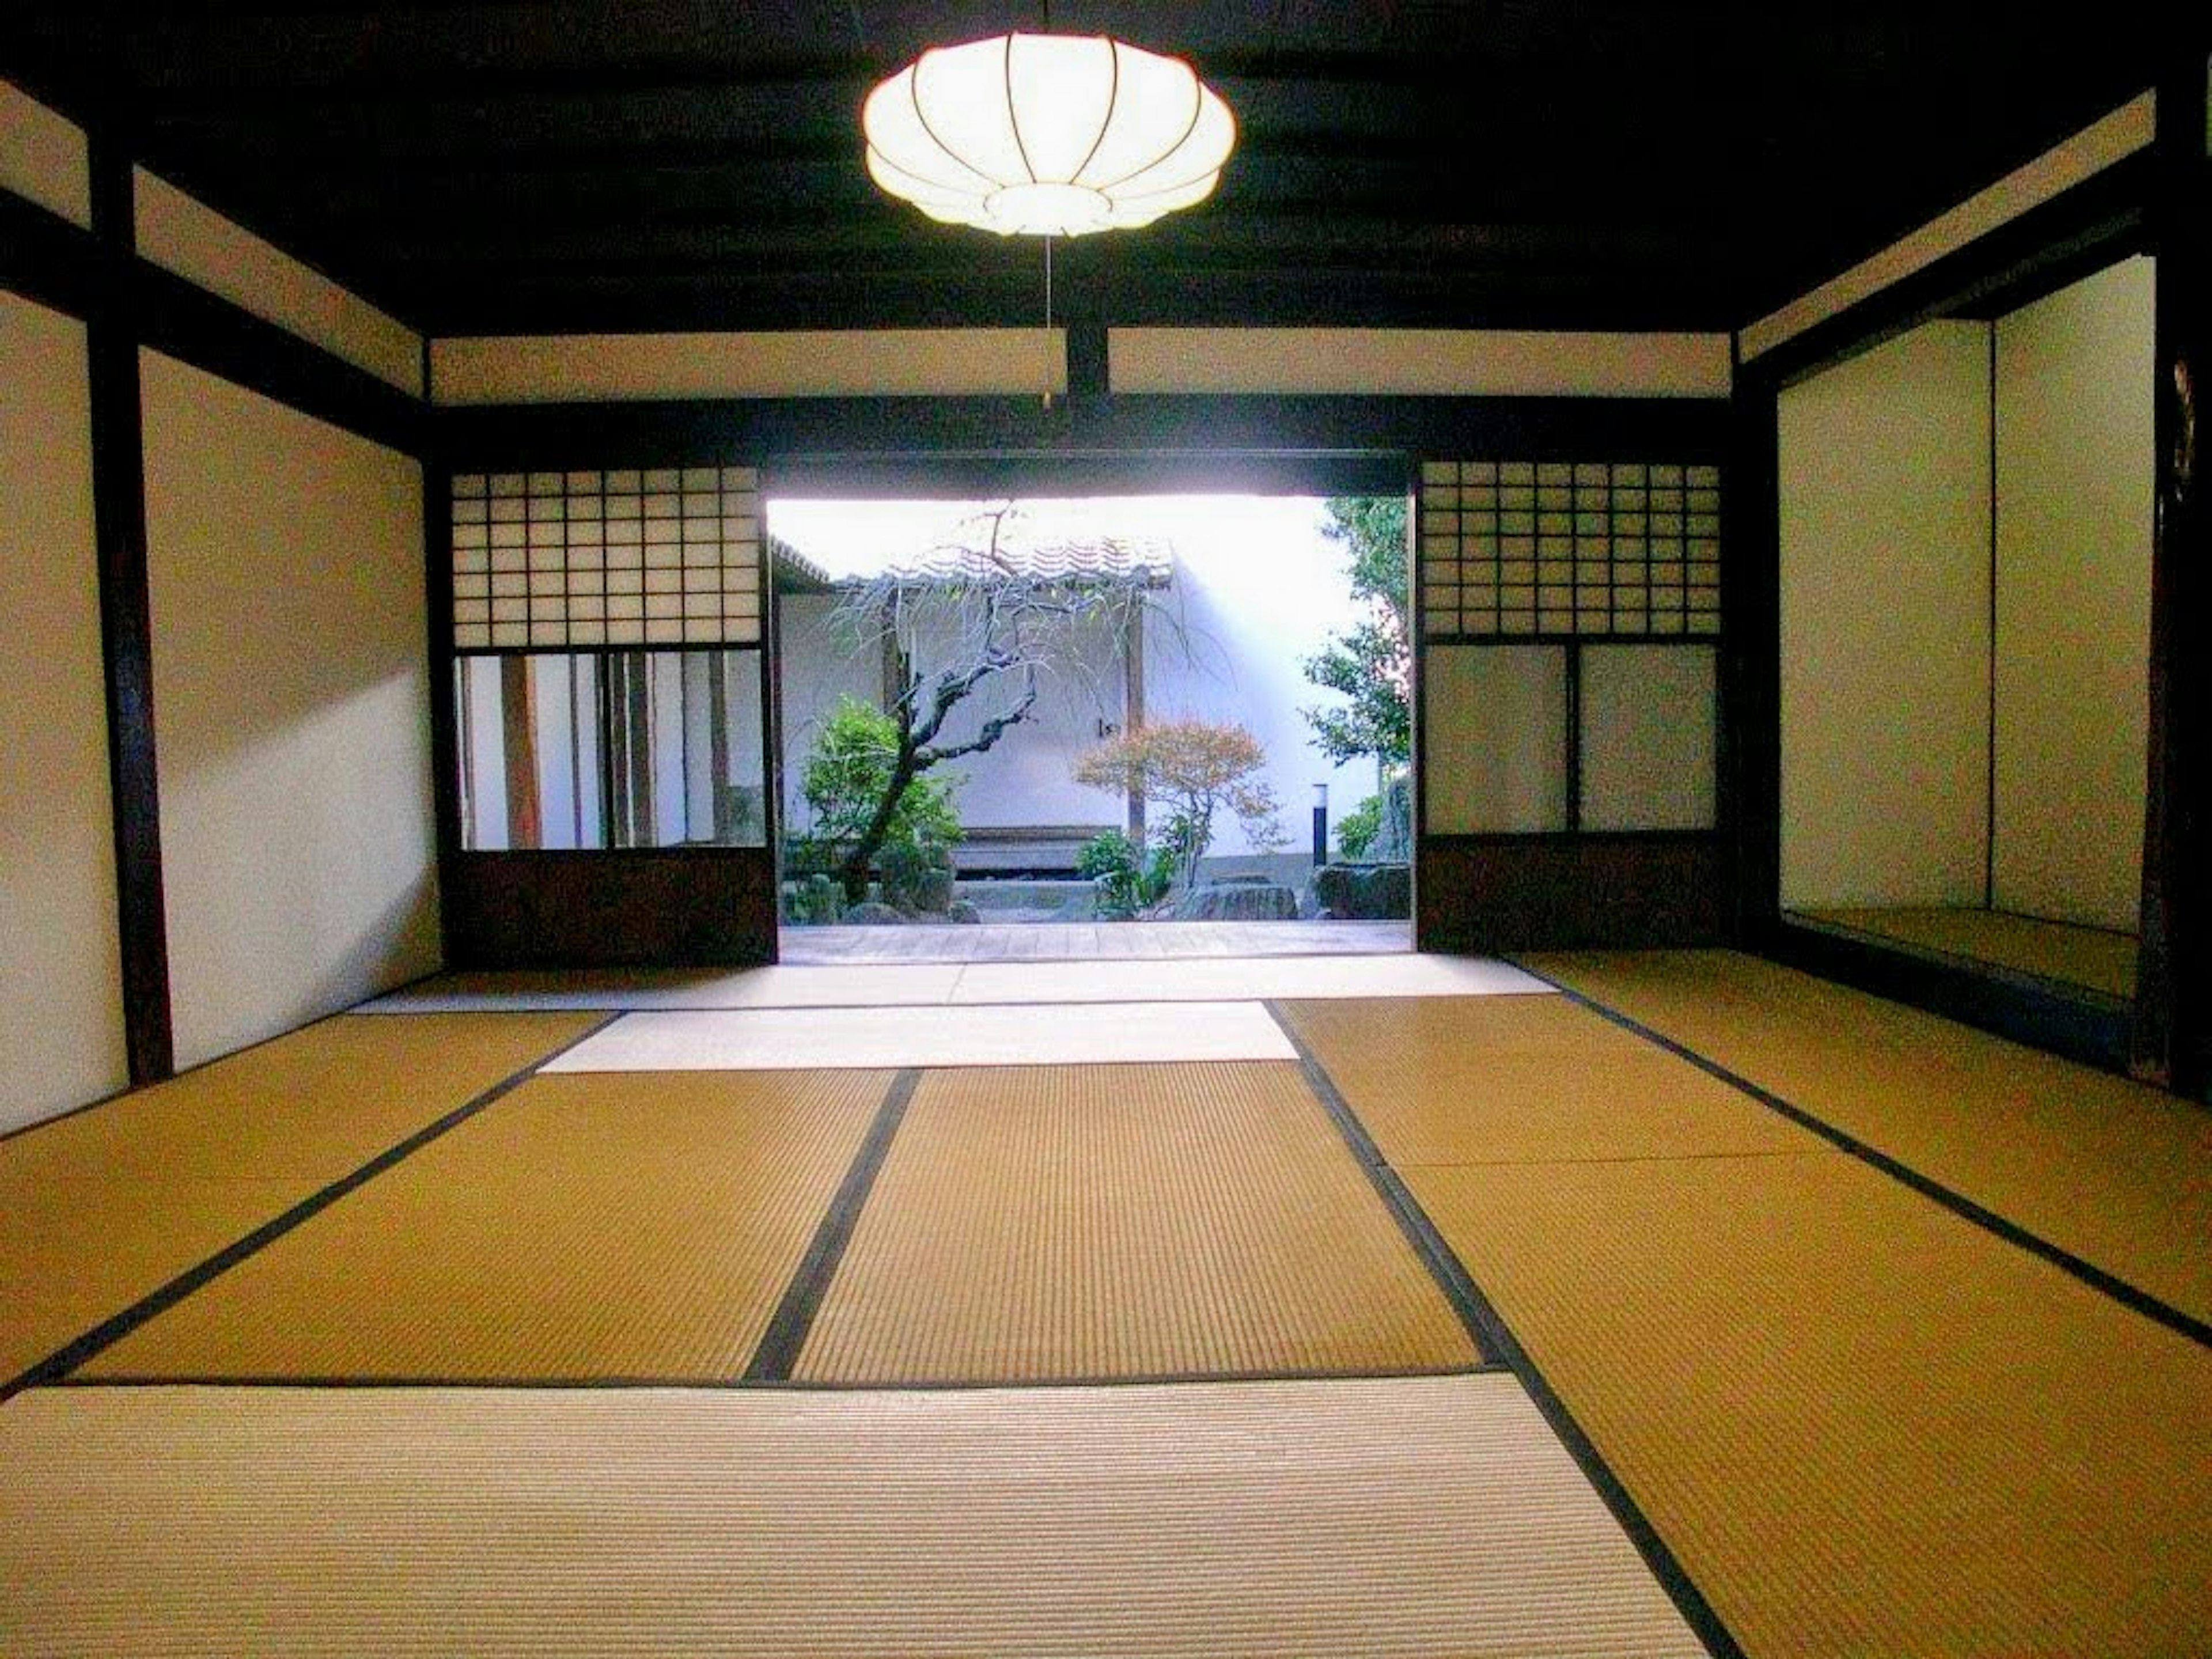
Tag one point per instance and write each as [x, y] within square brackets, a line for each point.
[2075, 463]
[61, 994]
[820, 663]
[1258, 589]
[292, 710]
[1885, 525]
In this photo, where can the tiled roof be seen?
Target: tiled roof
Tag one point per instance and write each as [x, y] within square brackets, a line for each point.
[945, 544]
[794, 572]
[1032, 553]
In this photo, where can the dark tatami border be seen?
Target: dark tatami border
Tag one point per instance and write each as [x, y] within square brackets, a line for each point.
[1493, 1338]
[787, 1385]
[111, 1331]
[780, 1345]
[2129, 1296]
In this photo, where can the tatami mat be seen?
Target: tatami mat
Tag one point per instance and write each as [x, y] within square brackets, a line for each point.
[1516, 1079]
[857, 987]
[1262, 977]
[888, 985]
[1141, 1221]
[2116, 1173]
[583, 1227]
[1864, 1424]
[104, 1207]
[1408, 1518]
[780, 1039]
[2093, 958]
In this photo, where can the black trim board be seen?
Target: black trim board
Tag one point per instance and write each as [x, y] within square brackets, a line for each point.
[109, 1332]
[2096, 1279]
[126, 620]
[2172, 1042]
[792, 1385]
[1497, 1342]
[445, 690]
[45, 257]
[1160, 429]
[182, 321]
[1747, 773]
[2095, 223]
[784, 1339]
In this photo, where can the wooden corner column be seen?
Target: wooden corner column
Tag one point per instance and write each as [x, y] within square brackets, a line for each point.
[2172, 1041]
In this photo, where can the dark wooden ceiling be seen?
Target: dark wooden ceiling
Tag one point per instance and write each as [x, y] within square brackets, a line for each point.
[631, 164]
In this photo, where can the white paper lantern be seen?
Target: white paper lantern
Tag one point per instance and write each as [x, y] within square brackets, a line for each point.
[1050, 135]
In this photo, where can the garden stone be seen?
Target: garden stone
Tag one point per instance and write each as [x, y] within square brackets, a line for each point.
[873, 914]
[1238, 902]
[962, 910]
[1365, 892]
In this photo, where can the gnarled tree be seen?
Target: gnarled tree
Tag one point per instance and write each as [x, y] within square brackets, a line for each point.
[992, 615]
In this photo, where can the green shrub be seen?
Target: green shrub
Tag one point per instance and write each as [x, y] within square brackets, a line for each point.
[917, 877]
[1198, 768]
[848, 774]
[1128, 877]
[1357, 830]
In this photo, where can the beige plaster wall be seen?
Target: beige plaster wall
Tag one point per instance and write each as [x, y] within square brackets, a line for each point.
[1885, 525]
[2075, 482]
[292, 708]
[61, 994]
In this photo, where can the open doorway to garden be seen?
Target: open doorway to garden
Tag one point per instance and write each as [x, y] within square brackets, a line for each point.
[1113, 727]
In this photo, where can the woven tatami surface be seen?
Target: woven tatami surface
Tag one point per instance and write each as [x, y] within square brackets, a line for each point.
[107, 1207]
[1420, 1516]
[583, 1227]
[2117, 1174]
[1516, 1079]
[1052, 1223]
[1865, 1426]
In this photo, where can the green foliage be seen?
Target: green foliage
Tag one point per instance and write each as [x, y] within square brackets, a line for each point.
[813, 900]
[1128, 877]
[850, 769]
[1357, 830]
[917, 876]
[1372, 663]
[1195, 768]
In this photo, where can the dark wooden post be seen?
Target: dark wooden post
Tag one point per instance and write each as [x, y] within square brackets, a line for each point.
[2174, 992]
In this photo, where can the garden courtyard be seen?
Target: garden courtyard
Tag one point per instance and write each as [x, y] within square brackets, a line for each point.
[1011, 729]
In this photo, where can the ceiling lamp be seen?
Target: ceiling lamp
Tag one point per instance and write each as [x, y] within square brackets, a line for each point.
[1046, 135]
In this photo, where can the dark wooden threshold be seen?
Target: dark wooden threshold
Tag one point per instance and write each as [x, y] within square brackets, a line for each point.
[1543, 892]
[2073, 1021]
[664, 907]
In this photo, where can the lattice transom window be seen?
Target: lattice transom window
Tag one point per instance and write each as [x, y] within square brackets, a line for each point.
[1534, 550]
[669, 556]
